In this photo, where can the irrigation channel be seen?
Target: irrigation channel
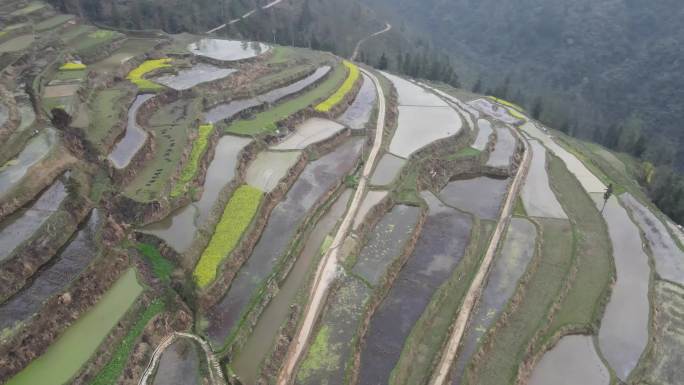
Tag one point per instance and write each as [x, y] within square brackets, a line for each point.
[327, 269]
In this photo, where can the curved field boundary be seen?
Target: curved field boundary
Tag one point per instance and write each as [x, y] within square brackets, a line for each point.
[442, 371]
[327, 269]
[215, 372]
[341, 92]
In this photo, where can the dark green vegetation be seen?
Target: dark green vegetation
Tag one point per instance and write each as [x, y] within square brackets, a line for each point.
[161, 266]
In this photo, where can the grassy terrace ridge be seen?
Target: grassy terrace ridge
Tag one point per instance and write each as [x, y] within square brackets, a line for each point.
[105, 107]
[199, 147]
[64, 358]
[52, 22]
[339, 95]
[136, 76]
[266, 121]
[236, 217]
[111, 372]
[161, 267]
[505, 346]
[424, 345]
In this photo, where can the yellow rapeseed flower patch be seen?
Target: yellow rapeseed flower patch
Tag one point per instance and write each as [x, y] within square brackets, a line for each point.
[236, 218]
[348, 84]
[136, 76]
[506, 103]
[198, 150]
[72, 66]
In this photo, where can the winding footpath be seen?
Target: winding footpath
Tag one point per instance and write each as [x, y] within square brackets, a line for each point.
[215, 373]
[327, 269]
[441, 373]
[245, 16]
[388, 26]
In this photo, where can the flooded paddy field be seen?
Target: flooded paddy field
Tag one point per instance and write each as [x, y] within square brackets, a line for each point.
[4, 114]
[269, 167]
[484, 131]
[65, 357]
[572, 361]
[662, 364]
[387, 169]
[624, 329]
[179, 365]
[188, 78]
[482, 196]
[53, 278]
[260, 343]
[316, 179]
[227, 50]
[440, 247]
[310, 131]
[504, 148]
[227, 111]
[420, 126]
[510, 264]
[372, 198]
[178, 229]
[385, 243]
[20, 226]
[669, 258]
[494, 110]
[134, 137]
[538, 198]
[36, 149]
[413, 95]
[359, 112]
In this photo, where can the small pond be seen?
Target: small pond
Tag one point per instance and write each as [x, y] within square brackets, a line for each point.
[227, 50]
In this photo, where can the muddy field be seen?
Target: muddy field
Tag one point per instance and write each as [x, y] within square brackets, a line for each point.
[440, 247]
[178, 365]
[310, 131]
[133, 139]
[316, 179]
[371, 199]
[190, 77]
[269, 167]
[359, 112]
[572, 361]
[481, 196]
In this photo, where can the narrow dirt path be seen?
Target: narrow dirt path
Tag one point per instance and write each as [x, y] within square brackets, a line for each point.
[360, 43]
[245, 16]
[327, 269]
[441, 373]
[215, 372]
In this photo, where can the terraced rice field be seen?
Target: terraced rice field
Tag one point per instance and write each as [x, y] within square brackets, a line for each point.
[484, 131]
[572, 361]
[197, 74]
[103, 112]
[269, 167]
[311, 131]
[4, 114]
[53, 278]
[316, 179]
[387, 170]
[12, 172]
[79, 342]
[359, 112]
[537, 196]
[129, 49]
[504, 148]
[494, 110]
[481, 196]
[439, 249]
[371, 199]
[22, 225]
[227, 50]
[179, 365]
[17, 44]
[134, 138]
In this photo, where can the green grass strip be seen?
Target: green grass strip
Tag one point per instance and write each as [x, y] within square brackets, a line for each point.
[339, 95]
[161, 267]
[266, 121]
[111, 372]
[190, 169]
[236, 218]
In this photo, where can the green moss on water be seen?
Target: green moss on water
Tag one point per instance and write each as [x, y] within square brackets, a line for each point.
[321, 355]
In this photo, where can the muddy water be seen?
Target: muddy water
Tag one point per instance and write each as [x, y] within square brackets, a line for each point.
[494, 110]
[133, 139]
[257, 347]
[504, 148]
[20, 226]
[36, 149]
[440, 247]
[178, 229]
[227, 50]
[538, 198]
[269, 167]
[509, 265]
[188, 78]
[371, 199]
[572, 361]
[53, 278]
[316, 179]
[178, 365]
[420, 126]
[484, 130]
[386, 242]
[481, 196]
[669, 258]
[310, 131]
[230, 110]
[359, 112]
[589, 181]
[387, 170]
[624, 329]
